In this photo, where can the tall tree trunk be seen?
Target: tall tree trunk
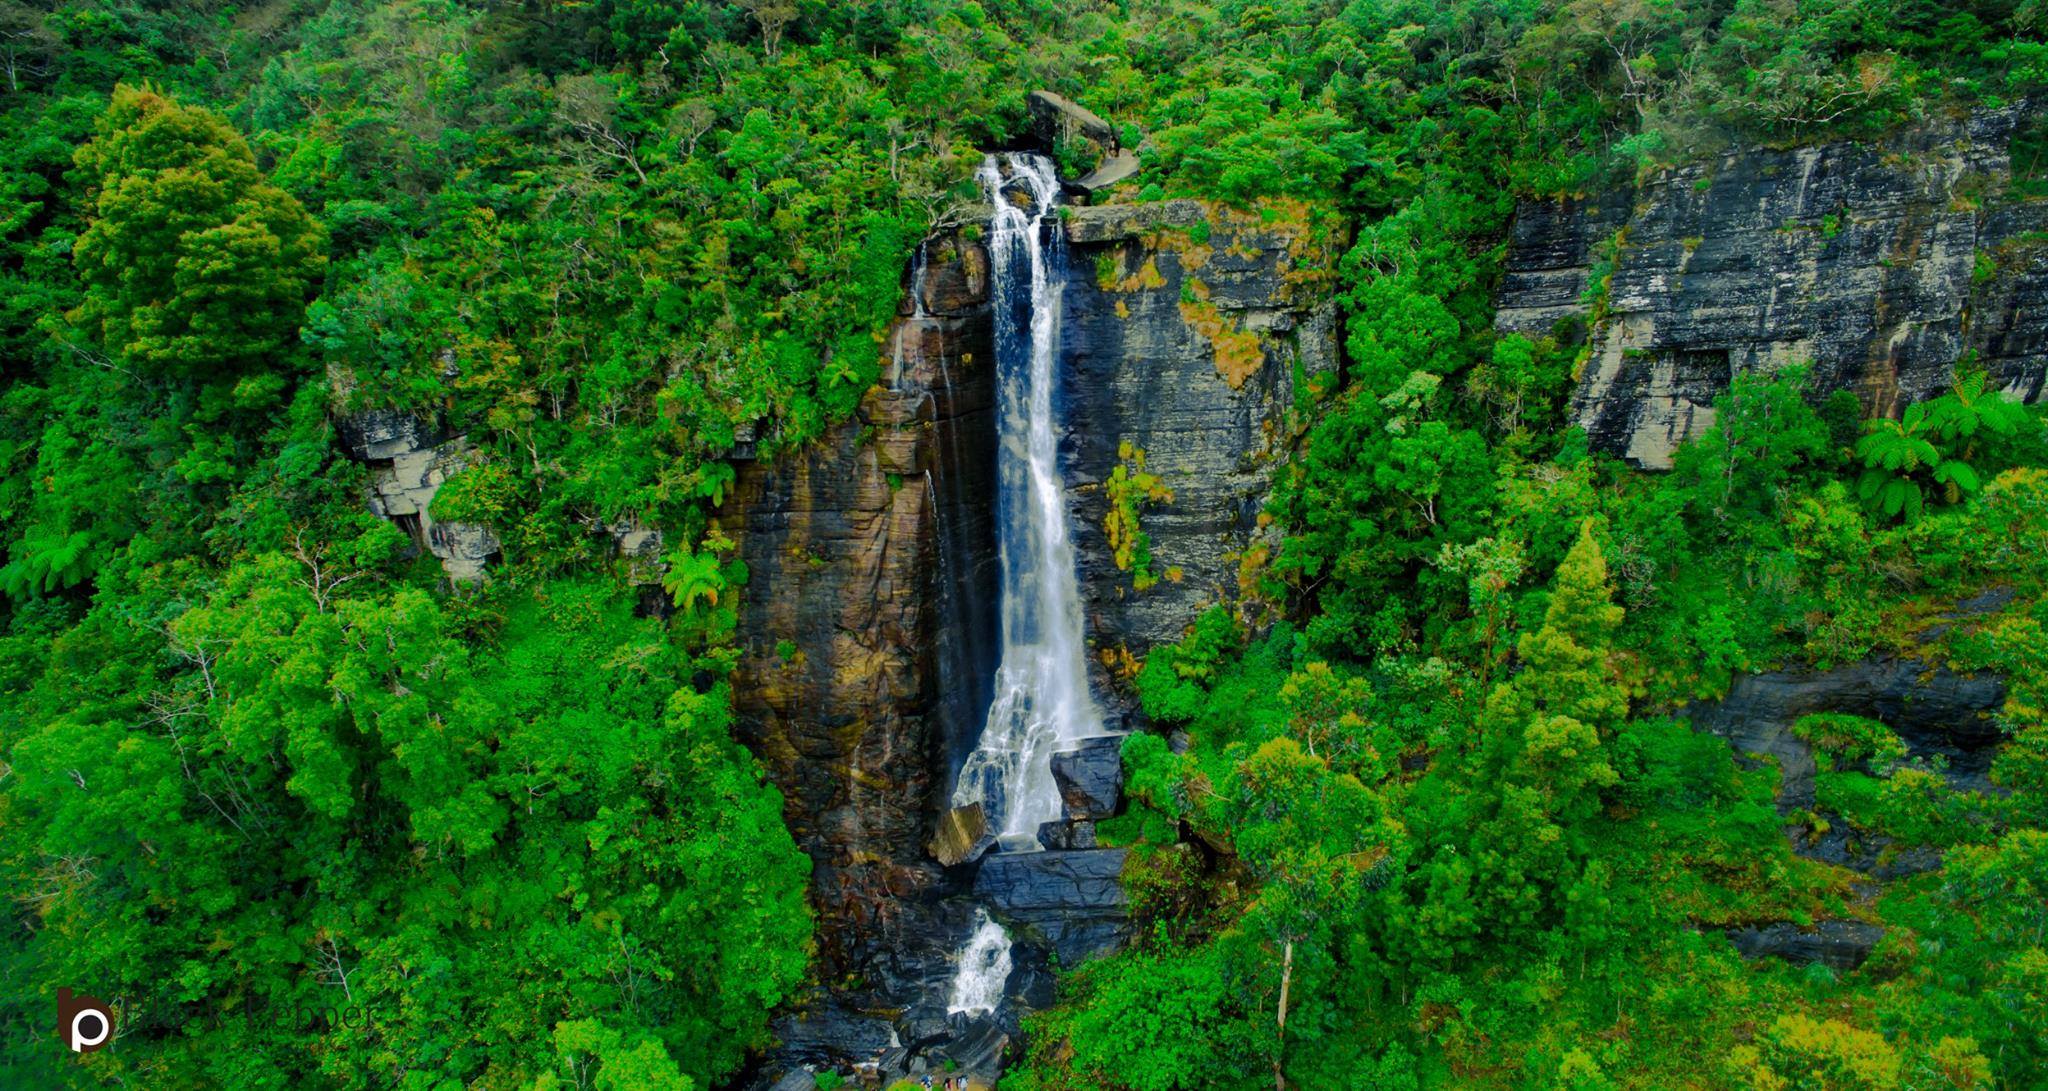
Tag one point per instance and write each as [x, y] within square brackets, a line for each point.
[1280, 1047]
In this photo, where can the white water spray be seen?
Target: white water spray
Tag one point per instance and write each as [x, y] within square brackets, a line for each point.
[1041, 701]
[984, 969]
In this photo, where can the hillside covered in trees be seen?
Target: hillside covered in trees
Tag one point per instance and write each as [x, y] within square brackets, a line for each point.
[1439, 767]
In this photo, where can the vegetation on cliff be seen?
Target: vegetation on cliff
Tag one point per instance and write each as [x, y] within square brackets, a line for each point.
[316, 819]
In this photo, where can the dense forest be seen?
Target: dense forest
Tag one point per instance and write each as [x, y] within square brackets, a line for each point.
[258, 756]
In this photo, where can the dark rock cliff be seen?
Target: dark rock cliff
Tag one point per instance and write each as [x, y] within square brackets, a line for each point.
[1187, 329]
[868, 645]
[867, 621]
[1878, 264]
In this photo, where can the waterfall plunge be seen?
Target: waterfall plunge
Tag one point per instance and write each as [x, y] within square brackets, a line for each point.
[1041, 701]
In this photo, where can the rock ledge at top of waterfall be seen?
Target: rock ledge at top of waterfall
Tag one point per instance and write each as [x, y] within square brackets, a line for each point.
[1106, 223]
[1055, 116]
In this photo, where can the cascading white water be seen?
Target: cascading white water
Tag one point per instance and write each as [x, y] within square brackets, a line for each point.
[1041, 702]
[984, 969]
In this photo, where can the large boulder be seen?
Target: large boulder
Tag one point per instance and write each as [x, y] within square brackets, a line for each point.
[1067, 835]
[1054, 115]
[371, 435]
[1074, 901]
[1021, 883]
[1056, 119]
[962, 835]
[1090, 777]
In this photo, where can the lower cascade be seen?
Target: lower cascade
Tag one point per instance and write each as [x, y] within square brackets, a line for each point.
[984, 969]
[1041, 702]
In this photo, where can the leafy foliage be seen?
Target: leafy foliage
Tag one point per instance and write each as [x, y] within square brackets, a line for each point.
[258, 758]
[194, 263]
[1130, 487]
[1931, 444]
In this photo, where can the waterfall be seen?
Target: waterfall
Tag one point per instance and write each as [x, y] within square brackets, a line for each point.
[984, 969]
[1041, 701]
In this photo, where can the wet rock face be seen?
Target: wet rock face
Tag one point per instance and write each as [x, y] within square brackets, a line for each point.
[867, 622]
[1072, 900]
[1878, 264]
[962, 836]
[1090, 778]
[1185, 330]
[899, 1025]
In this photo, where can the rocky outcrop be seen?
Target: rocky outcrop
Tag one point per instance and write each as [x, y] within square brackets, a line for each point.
[409, 457]
[1090, 778]
[1935, 711]
[1040, 891]
[1055, 117]
[1056, 120]
[1838, 944]
[1942, 716]
[1878, 264]
[1186, 331]
[962, 835]
[637, 547]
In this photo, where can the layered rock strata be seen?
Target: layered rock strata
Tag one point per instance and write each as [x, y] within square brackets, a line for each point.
[1189, 331]
[866, 624]
[1878, 264]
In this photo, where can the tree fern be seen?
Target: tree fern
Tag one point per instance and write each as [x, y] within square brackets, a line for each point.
[1937, 437]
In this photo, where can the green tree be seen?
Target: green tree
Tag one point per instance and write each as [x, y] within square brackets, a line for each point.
[1935, 442]
[1543, 750]
[195, 266]
[338, 801]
